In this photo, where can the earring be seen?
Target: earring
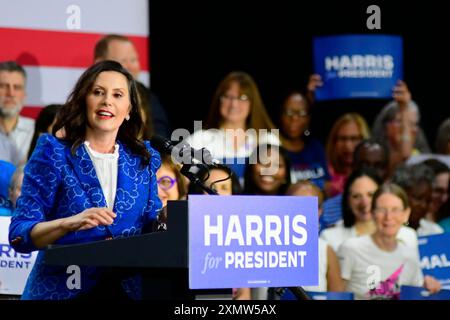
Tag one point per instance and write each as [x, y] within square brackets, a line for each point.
[127, 117]
[306, 132]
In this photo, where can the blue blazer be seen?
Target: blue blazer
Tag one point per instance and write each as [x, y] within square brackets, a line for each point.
[58, 184]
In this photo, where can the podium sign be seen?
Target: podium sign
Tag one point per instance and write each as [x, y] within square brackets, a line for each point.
[14, 266]
[252, 241]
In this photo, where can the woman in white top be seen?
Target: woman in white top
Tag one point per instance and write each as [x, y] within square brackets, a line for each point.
[236, 123]
[357, 217]
[375, 266]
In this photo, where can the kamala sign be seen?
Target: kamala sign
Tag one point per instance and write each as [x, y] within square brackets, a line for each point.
[435, 257]
[252, 241]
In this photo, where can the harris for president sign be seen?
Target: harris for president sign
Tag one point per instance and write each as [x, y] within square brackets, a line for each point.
[358, 66]
[252, 241]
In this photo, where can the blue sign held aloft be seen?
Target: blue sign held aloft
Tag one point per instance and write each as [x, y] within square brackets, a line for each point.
[357, 66]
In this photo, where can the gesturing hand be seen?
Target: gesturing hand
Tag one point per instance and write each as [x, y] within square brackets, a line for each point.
[89, 218]
[401, 94]
[315, 80]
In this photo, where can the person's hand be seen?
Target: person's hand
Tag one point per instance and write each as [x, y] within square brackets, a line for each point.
[401, 94]
[315, 80]
[89, 218]
[431, 284]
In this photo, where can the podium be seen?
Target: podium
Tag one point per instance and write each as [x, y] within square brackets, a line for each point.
[161, 258]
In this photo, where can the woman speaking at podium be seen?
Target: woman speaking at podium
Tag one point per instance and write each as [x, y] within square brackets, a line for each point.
[96, 182]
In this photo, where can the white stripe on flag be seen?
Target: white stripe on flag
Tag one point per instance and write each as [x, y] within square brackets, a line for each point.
[98, 16]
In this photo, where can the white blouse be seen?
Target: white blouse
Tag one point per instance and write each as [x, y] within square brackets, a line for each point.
[106, 166]
[221, 146]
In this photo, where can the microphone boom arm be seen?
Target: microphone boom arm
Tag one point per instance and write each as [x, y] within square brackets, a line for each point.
[190, 171]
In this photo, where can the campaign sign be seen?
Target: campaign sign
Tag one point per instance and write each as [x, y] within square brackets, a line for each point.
[14, 267]
[357, 66]
[252, 241]
[420, 293]
[435, 257]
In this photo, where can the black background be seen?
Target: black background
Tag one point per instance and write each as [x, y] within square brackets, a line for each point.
[195, 44]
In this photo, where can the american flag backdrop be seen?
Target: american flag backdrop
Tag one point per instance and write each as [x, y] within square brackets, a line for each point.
[54, 40]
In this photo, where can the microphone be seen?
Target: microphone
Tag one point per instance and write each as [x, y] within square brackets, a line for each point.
[193, 161]
[182, 152]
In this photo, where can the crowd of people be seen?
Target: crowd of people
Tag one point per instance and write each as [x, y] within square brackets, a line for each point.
[82, 164]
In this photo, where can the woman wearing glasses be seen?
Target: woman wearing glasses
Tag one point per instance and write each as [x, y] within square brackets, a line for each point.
[356, 210]
[237, 123]
[347, 132]
[171, 184]
[307, 155]
[376, 265]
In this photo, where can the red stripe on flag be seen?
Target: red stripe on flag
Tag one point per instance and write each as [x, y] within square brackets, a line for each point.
[31, 112]
[58, 48]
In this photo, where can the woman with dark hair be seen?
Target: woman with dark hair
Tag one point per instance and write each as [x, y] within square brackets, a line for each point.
[443, 215]
[218, 179]
[254, 116]
[307, 155]
[96, 182]
[439, 192]
[443, 138]
[376, 265]
[268, 171]
[44, 123]
[268, 174]
[357, 217]
[417, 181]
[146, 113]
[236, 124]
